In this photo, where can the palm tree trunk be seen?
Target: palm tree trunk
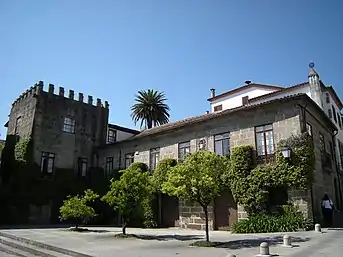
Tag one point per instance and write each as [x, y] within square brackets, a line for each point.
[149, 123]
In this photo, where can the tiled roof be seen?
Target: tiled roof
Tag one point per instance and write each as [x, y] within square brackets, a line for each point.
[284, 90]
[205, 117]
[236, 90]
[128, 130]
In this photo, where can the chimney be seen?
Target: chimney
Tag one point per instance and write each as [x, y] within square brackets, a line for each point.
[213, 92]
[247, 82]
[98, 102]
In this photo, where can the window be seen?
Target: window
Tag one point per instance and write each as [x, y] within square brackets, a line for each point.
[109, 164]
[340, 147]
[334, 113]
[69, 125]
[222, 144]
[309, 129]
[82, 167]
[321, 143]
[327, 97]
[245, 100]
[332, 151]
[264, 140]
[154, 157]
[218, 108]
[17, 125]
[339, 120]
[129, 159]
[184, 149]
[112, 136]
[47, 163]
[330, 113]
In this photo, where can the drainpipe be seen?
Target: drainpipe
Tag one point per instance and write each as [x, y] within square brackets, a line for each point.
[303, 110]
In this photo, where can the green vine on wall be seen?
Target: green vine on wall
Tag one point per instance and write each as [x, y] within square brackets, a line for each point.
[21, 150]
[250, 185]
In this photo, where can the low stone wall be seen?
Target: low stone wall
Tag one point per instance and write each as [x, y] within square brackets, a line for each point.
[302, 199]
[193, 217]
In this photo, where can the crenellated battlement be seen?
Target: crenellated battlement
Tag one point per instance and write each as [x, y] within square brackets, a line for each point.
[38, 88]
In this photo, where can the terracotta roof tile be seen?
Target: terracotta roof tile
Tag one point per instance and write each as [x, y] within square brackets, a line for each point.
[205, 117]
[236, 90]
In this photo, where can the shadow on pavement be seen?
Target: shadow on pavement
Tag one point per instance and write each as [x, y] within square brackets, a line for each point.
[255, 242]
[167, 237]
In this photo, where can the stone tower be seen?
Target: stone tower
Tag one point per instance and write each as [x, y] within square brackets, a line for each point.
[315, 87]
[64, 131]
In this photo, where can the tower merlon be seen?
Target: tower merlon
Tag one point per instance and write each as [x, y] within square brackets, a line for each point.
[61, 91]
[71, 94]
[51, 89]
[107, 105]
[81, 97]
[98, 102]
[90, 100]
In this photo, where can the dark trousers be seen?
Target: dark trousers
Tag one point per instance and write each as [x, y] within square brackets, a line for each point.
[328, 217]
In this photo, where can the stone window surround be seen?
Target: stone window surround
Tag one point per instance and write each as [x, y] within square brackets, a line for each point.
[82, 166]
[221, 138]
[17, 125]
[309, 129]
[69, 124]
[47, 165]
[129, 159]
[112, 135]
[264, 129]
[154, 157]
[183, 148]
[109, 164]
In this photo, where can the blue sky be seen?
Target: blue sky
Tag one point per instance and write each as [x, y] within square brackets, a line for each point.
[111, 49]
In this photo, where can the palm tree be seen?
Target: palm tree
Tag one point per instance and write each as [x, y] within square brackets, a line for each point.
[150, 108]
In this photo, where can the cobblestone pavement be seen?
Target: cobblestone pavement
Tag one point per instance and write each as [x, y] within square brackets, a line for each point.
[175, 242]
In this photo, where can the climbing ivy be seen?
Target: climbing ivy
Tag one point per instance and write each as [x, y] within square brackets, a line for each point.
[250, 185]
[21, 150]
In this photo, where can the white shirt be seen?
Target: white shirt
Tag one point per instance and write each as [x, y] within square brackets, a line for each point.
[327, 204]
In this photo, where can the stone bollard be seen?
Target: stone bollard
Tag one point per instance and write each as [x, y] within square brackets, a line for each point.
[317, 228]
[287, 241]
[231, 255]
[264, 250]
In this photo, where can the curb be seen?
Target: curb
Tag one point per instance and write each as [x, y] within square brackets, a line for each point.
[44, 246]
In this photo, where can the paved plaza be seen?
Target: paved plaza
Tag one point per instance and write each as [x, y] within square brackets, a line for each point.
[175, 242]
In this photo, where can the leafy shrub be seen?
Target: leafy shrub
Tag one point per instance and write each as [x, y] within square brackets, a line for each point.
[290, 220]
[76, 210]
[140, 166]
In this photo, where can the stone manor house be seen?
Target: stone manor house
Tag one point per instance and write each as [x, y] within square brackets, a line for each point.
[74, 134]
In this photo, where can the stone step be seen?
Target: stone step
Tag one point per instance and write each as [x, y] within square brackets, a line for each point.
[21, 249]
[43, 249]
[10, 252]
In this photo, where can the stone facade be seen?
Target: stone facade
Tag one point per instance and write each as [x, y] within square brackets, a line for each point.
[285, 115]
[41, 115]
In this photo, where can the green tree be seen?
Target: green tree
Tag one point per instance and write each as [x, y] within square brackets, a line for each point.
[199, 178]
[76, 210]
[150, 108]
[128, 193]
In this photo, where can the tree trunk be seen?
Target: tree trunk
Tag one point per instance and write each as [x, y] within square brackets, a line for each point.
[149, 123]
[206, 223]
[124, 228]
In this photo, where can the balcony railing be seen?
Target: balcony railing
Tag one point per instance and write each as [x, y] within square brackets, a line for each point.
[264, 159]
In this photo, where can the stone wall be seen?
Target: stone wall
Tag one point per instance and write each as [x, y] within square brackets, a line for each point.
[285, 119]
[193, 217]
